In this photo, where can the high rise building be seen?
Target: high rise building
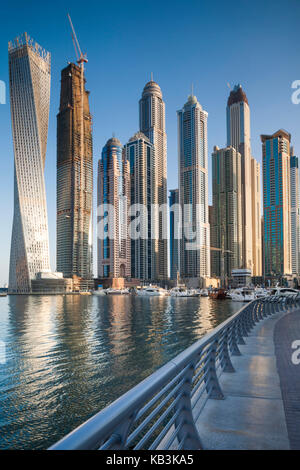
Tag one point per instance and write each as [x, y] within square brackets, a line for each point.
[139, 151]
[238, 136]
[277, 203]
[295, 213]
[152, 124]
[74, 176]
[256, 219]
[226, 228]
[193, 190]
[29, 79]
[113, 189]
[174, 233]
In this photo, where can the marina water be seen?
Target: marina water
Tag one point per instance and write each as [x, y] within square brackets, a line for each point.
[67, 357]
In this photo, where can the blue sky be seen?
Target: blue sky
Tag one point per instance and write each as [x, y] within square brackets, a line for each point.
[208, 43]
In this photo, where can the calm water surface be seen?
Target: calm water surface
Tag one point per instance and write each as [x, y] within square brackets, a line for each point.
[67, 357]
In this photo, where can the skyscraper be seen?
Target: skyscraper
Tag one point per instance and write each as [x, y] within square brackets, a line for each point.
[29, 78]
[226, 228]
[256, 218]
[277, 203]
[174, 234]
[114, 189]
[295, 213]
[152, 124]
[139, 151]
[238, 136]
[74, 176]
[193, 190]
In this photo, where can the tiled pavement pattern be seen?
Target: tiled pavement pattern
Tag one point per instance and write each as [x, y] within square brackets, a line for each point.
[286, 331]
[252, 415]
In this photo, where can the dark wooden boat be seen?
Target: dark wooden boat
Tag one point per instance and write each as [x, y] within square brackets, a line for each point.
[218, 294]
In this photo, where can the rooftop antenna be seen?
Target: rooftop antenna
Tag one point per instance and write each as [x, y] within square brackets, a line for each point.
[151, 76]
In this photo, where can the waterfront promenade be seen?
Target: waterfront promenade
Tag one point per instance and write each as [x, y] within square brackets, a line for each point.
[252, 414]
[237, 388]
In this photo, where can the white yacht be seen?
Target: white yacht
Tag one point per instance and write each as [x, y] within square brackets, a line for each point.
[284, 292]
[260, 292]
[151, 291]
[242, 295]
[204, 293]
[112, 291]
[179, 292]
[99, 292]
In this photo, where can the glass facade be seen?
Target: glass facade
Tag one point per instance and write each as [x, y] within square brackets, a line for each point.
[29, 73]
[144, 249]
[277, 206]
[113, 189]
[193, 190]
[174, 241]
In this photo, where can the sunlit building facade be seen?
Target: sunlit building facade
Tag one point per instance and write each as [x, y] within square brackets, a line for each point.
[152, 124]
[295, 213]
[139, 151]
[226, 226]
[174, 233]
[193, 190]
[113, 189]
[256, 219]
[238, 136]
[29, 79]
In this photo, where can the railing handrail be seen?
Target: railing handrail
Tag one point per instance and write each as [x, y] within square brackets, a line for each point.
[109, 422]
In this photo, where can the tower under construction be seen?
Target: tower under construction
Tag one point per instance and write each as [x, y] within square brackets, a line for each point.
[74, 176]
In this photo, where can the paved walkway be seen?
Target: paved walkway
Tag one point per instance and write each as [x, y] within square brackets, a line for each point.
[261, 409]
[287, 330]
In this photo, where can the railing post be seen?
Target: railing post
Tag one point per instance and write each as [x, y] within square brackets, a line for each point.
[120, 434]
[233, 345]
[240, 330]
[188, 436]
[211, 379]
[225, 360]
[249, 323]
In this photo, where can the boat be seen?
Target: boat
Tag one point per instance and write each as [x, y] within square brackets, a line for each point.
[284, 292]
[151, 291]
[204, 293]
[261, 292]
[179, 292]
[219, 294]
[243, 295]
[99, 292]
[3, 291]
[112, 291]
[85, 293]
[193, 293]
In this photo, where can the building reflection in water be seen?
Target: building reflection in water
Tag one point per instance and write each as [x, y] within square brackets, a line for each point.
[70, 356]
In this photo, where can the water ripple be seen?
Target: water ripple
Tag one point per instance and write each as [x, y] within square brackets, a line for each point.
[69, 356]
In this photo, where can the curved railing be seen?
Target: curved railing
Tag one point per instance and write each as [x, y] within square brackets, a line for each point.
[161, 411]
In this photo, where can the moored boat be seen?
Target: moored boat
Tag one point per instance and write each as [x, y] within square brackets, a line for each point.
[219, 294]
[243, 295]
[111, 291]
[152, 291]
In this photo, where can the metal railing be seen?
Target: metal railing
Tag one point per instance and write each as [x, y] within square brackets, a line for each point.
[161, 411]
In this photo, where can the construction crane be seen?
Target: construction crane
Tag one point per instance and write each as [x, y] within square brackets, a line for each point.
[81, 60]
